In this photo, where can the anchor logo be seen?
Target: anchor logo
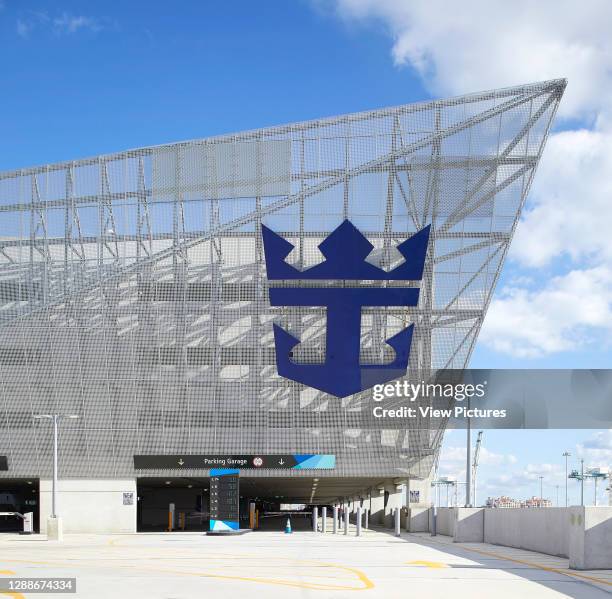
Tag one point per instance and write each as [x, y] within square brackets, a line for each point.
[345, 251]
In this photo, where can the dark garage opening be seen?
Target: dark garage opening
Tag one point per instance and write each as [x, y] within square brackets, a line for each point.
[189, 496]
[18, 495]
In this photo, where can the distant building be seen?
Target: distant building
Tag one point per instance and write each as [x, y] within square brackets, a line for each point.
[537, 502]
[502, 501]
[507, 502]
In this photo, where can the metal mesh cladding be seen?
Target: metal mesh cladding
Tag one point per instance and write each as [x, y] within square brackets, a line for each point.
[133, 289]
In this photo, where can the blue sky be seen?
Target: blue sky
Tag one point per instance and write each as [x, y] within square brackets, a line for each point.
[83, 79]
[143, 73]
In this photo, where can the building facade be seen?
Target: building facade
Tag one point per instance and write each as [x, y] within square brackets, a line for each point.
[134, 291]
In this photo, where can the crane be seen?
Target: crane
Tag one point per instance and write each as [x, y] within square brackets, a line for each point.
[475, 465]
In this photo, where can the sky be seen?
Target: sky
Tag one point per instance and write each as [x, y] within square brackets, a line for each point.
[82, 79]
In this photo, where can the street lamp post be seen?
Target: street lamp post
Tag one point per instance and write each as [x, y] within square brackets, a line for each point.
[566, 454]
[574, 474]
[55, 418]
[541, 493]
[468, 462]
[582, 481]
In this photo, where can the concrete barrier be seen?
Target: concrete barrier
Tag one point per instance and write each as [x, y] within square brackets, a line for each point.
[583, 534]
[417, 519]
[465, 525]
[468, 526]
[445, 522]
[544, 530]
[590, 538]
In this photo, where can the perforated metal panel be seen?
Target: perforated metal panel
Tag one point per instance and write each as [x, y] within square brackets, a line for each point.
[133, 289]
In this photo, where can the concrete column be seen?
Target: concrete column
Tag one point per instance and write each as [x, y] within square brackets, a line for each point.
[335, 518]
[396, 515]
[358, 528]
[315, 517]
[366, 517]
[590, 530]
[395, 501]
[377, 506]
[346, 521]
[418, 493]
[324, 519]
[55, 529]
[433, 527]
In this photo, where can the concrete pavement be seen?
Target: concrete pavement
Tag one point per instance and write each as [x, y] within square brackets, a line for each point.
[304, 564]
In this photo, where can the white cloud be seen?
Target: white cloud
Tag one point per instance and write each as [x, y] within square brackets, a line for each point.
[597, 450]
[453, 456]
[524, 481]
[570, 211]
[459, 47]
[68, 23]
[23, 28]
[490, 458]
[65, 23]
[527, 323]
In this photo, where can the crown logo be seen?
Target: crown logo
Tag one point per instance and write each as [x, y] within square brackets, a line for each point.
[345, 251]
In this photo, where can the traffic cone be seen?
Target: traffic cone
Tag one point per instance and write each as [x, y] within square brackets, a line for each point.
[288, 530]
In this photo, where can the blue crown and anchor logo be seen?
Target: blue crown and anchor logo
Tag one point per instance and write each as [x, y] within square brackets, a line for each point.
[345, 251]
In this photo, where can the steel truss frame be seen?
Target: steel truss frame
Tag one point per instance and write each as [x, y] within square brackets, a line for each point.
[174, 316]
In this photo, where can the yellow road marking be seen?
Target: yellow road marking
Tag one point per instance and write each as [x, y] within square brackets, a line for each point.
[367, 583]
[427, 564]
[10, 593]
[533, 564]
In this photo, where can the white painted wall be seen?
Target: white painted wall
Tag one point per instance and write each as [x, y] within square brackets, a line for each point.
[93, 506]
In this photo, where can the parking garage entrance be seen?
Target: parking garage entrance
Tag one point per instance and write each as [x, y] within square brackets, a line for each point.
[172, 504]
[18, 495]
[183, 503]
